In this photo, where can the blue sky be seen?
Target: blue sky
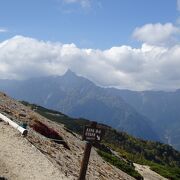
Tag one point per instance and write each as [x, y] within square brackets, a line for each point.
[97, 24]
[127, 44]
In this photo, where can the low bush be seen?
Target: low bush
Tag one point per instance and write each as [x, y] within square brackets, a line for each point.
[124, 166]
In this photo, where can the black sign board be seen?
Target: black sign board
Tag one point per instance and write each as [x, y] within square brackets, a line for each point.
[92, 134]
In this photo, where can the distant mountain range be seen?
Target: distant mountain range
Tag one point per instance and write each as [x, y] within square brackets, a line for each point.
[148, 115]
[162, 108]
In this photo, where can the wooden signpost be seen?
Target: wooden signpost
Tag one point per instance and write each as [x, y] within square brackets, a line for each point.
[91, 134]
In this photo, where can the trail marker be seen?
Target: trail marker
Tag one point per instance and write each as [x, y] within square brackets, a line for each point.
[91, 134]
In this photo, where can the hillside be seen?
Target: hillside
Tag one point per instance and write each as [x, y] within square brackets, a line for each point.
[19, 160]
[162, 108]
[66, 156]
[79, 97]
[160, 157]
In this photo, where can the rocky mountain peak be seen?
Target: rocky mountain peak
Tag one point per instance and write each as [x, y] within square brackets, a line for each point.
[69, 73]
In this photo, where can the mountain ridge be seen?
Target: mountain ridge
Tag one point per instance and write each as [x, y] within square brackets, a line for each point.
[78, 97]
[162, 108]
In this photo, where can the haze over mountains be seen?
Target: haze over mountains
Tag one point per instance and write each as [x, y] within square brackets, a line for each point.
[162, 108]
[149, 115]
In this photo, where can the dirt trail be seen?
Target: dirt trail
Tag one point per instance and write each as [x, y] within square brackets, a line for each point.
[147, 173]
[19, 160]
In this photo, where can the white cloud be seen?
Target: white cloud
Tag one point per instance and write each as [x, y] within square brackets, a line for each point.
[159, 34]
[148, 67]
[3, 30]
[83, 3]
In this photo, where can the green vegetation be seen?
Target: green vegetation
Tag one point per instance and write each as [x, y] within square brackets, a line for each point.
[141, 151]
[124, 166]
[166, 171]
[75, 125]
[161, 158]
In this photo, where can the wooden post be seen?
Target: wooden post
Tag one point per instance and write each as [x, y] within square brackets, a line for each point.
[85, 161]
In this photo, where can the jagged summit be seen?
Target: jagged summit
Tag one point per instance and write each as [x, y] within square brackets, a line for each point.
[69, 73]
[79, 97]
[70, 76]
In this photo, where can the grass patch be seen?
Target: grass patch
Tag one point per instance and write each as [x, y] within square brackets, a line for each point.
[127, 167]
[166, 171]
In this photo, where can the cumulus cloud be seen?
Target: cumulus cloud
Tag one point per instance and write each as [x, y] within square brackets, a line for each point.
[159, 34]
[147, 67]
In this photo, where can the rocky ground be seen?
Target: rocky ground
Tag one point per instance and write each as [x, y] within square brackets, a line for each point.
[20, 160]
[37, 157]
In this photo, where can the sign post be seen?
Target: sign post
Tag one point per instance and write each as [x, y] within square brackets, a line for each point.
[91, 134]
[85, 161]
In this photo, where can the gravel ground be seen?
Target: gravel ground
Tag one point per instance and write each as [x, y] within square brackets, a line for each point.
[19, 160]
